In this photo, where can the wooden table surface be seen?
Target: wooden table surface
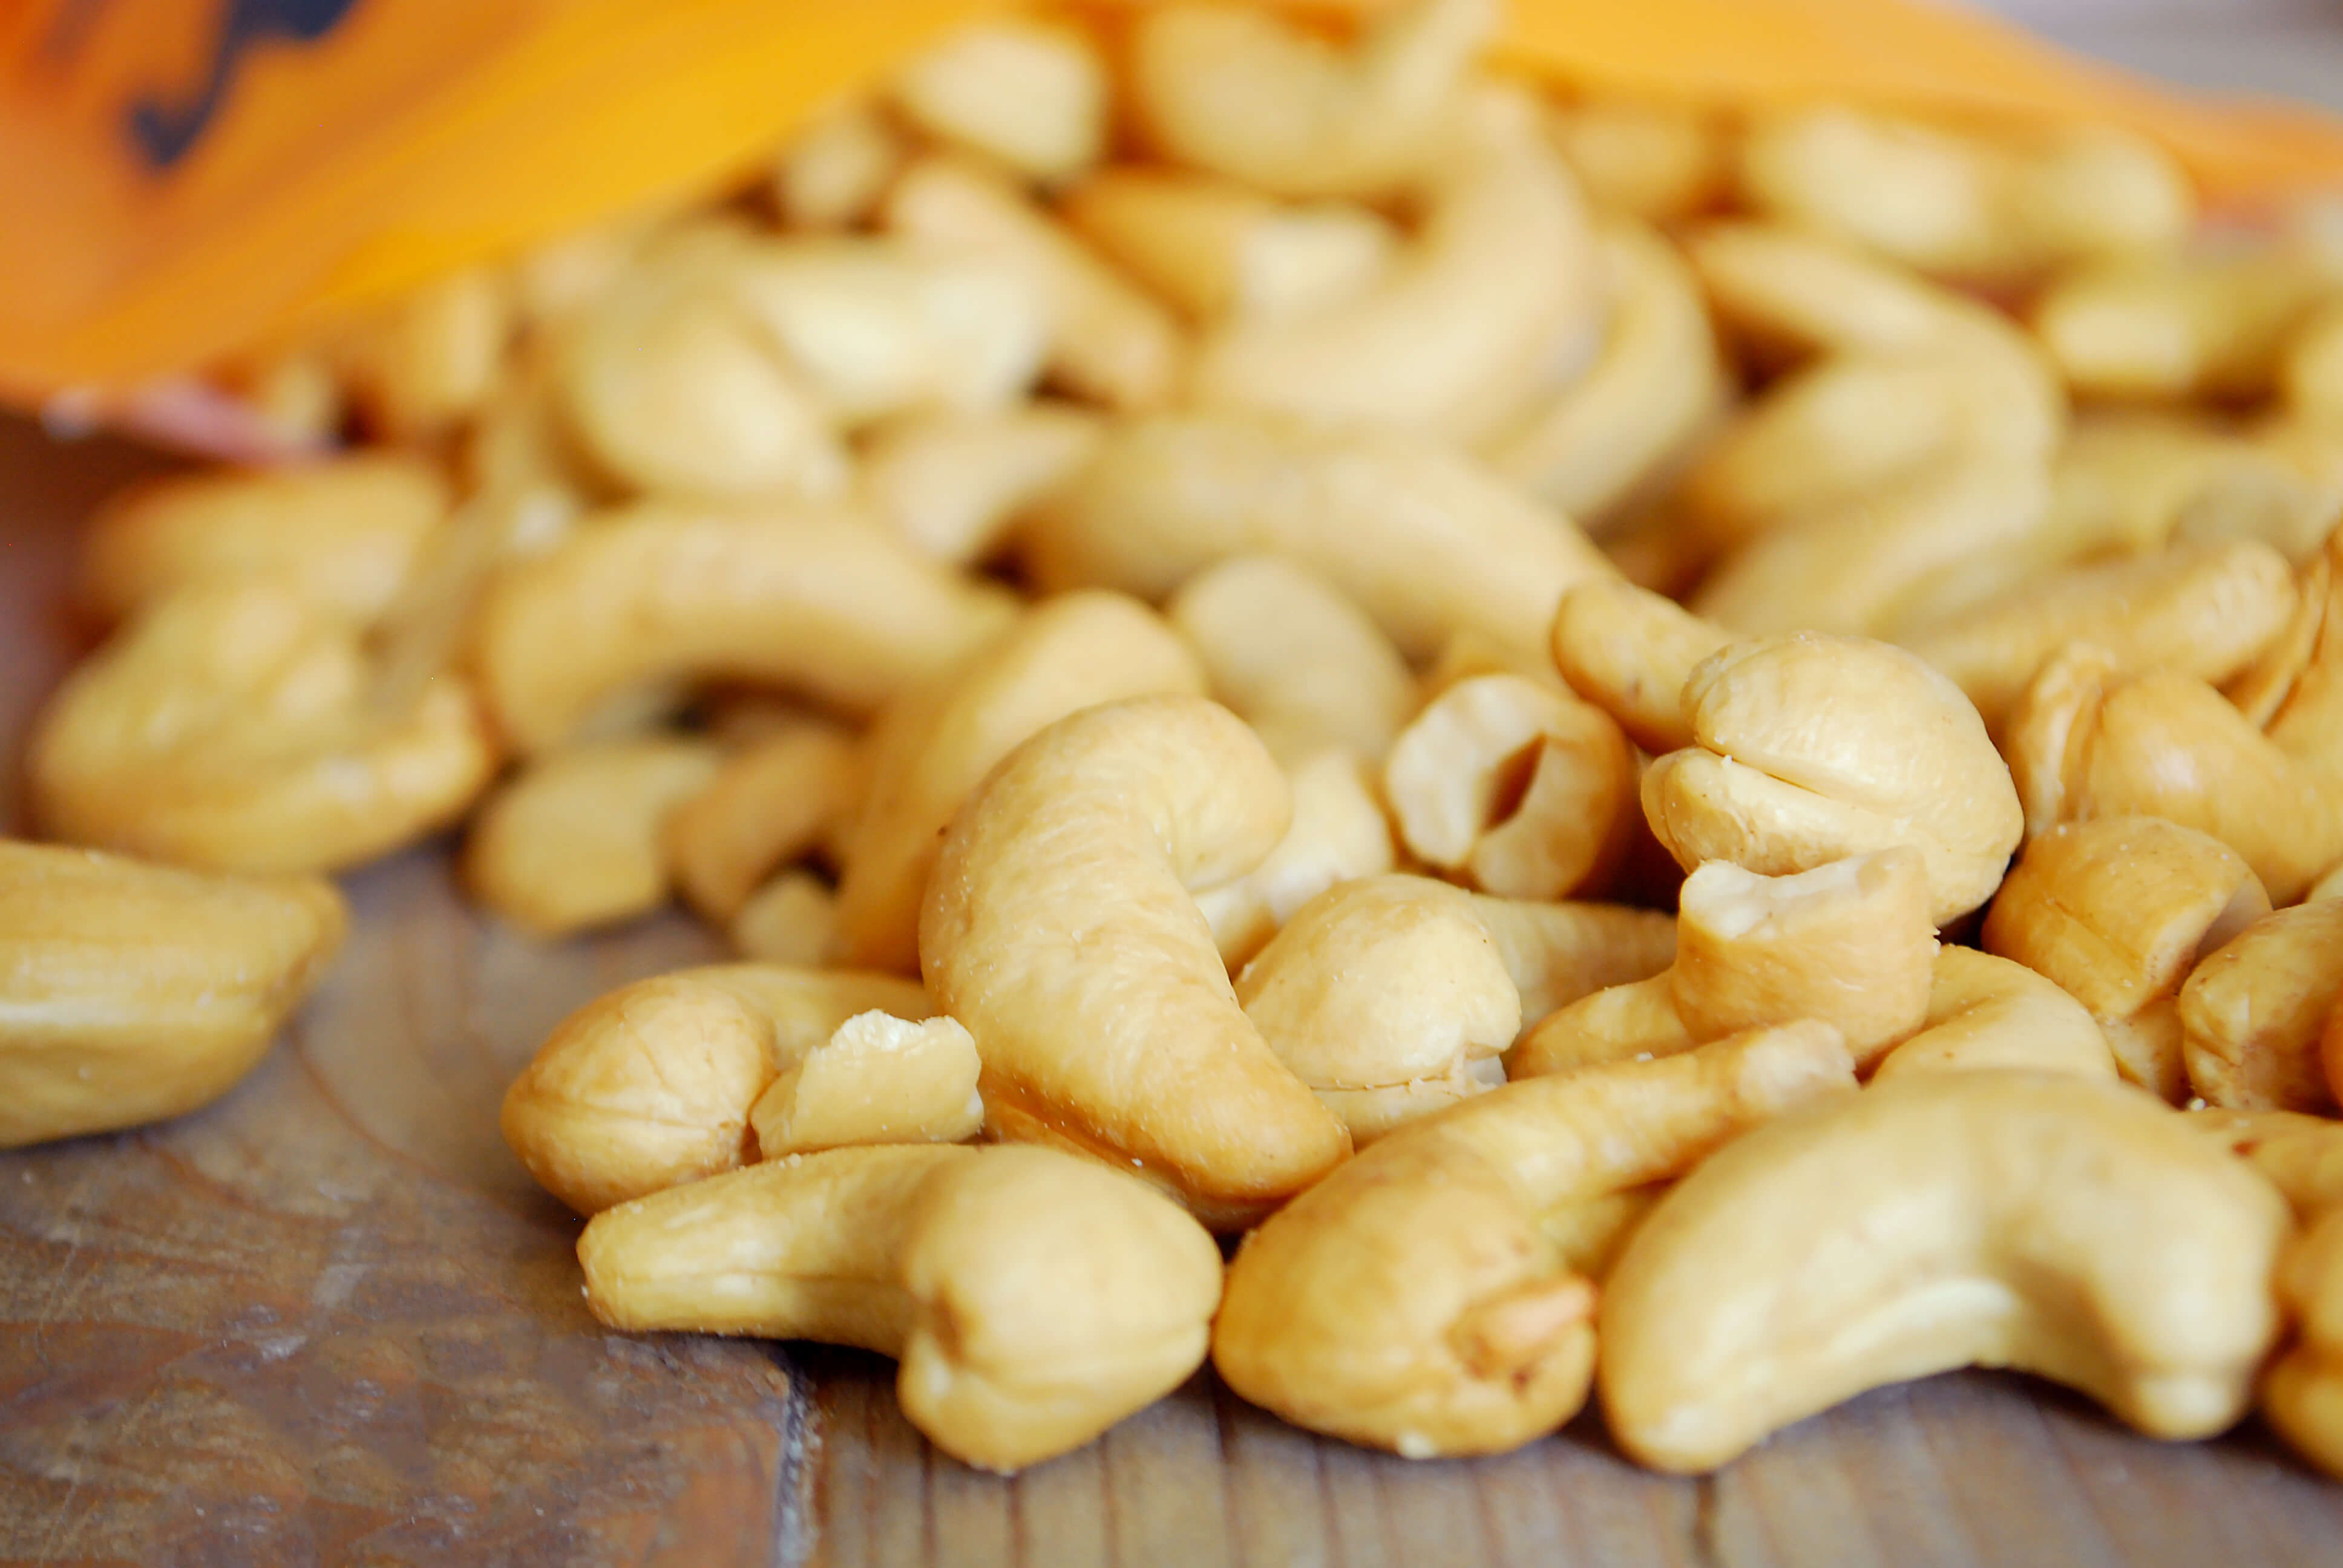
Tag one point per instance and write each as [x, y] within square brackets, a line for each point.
[329, 1320]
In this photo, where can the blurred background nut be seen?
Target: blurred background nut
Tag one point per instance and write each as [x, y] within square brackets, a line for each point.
[792, 919]
[2302, 1155]
[1031, 95]
[130, 992]
[953, 482]
[2303, 1394]
[2172, 324]
[762, 808]
[652, 1085]
[1033, 1299]
[1645, 159]
[2252, 1012]
[2117, 912]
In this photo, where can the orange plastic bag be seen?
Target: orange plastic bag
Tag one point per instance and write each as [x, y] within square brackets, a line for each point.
[178, 178]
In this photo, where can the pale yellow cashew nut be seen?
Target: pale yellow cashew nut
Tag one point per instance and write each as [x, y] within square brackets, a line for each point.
[1629, 651]
[792, 919]
[1340, 832]
[835, 172]
[1559, 952]
[765, 807]
[954, 484]
[876, 1080]
[2303, 1394]
[130, 992]
[2075, 1230]
[651, 1085]
[1987, 1012]
[2252, 1015]
[2174, 325]
[1658, 162]
[1059, 928]
[1031, 94]
[1417, 1300]
[1033, 1300]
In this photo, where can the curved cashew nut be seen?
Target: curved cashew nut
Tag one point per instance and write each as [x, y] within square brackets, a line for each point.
[1455, 335]
[2088, 741]
[1421, 538]
[2117, 912]
[1987, 1012]
[792, 919]
[1812, 748]
[1657, 162]
[347, 533]
[954, 484]
[2252, 1014]
[1060, 929]
[765, 807]
[579, 838]
[1657, 383]
[930, 749]
[2175, 325]
[1387, 997]
[1243, 93]
[1295, 658]
[2303, 1394]
[1524, 787]
[1849, 943]
[821, 600]
[1339, 834]
[1415, 1300]
[1031, 94]
[1033, 1300]
[235, 726]
[1559, 952]
[2129, 481]
[1629, 651]
[2074, 1229]
[652, 1085]
[131, 992]
[2204, 610]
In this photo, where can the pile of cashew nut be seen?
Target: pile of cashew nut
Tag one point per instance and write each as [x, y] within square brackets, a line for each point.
[1682, 761]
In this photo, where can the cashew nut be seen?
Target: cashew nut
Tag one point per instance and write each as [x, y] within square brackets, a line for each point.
[2252, 1013]
[2117, 912]
[1987, 1012]
[766, 806]
[1028, 94]
[1416, 1300]
[2132, 480]
[2174, 325]
[930, 749]
[1339, 833]
[234, 726]
[953, 484]
[877, 1079]
[428, 360]
[652, 1085]
[1240, 91]
[347, 533]
[2074, 1229]
[1657, 162]
[1084, 841]
[792, 919]
[1629, 651]
[579, 838]
[131, 992]
[1033, 1300]
[835, 172]
[1559, 952]
[2303, 1394]
[817, 600]
[2302, 1155]
[1386, 996]
[2310, 375]
[1812, 748]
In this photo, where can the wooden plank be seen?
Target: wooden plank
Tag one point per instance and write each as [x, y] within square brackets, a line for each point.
[329, 1320]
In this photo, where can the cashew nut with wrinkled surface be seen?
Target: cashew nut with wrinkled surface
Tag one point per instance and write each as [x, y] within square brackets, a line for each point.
[2074, 1229]
[1085, 840]
[1416, 1301]
[1032, 1298]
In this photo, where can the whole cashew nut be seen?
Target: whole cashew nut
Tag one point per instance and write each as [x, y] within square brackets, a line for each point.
[1987, 1012]
[2253, 1013]
[1032, 1298]
[2075, 1230]
[1415, 1300]
[1031, 94]
[1059, 928]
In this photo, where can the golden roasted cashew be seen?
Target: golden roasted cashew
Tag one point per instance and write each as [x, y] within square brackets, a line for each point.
[1059, 928]
[1457, 333]
[1417, 1300]
[876, 1080]
[1810, 749]
[1425, 540]
[651, 1084]
[930, 749]
[2089, 740]
[1849, 943]
[765, 806]
[1031, 94]
[1242, 92]
[1339, 833]
[1958, 204]
[2203, 609]
[834, 173]
[2131, 480]
[430, 360]
[1910, 376]
[1387, 996]
[1657, 383]
[792, 919]
[2173, 325]
[1629, 651]
[954, 483]
[1657, 162]
[1559, 952]
[2301, 702]
[236, 727]
[2074, 1229]
[2302, 1155]
[1522, 787]
[1987, 1012]
[1033, 1300]
[347, 533]
[2252, 1014]
[131, 992]
[2303, 1394]
[816, 598]
[579, 837]
[2117, 912]
[1295, 658]
[1109, 340]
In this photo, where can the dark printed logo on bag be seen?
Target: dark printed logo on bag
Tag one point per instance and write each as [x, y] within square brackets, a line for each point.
[165, 128]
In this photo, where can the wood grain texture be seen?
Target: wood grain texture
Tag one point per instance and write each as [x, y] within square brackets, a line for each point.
[328, 1320]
